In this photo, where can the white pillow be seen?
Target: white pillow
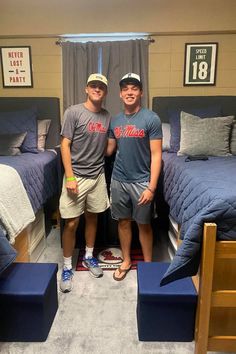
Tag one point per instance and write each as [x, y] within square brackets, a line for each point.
[233, 139]
[166, 136]
[43, 128]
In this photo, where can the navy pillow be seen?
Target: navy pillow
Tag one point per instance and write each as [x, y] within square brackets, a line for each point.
[11, 144]
[174, 119]
[21, 122]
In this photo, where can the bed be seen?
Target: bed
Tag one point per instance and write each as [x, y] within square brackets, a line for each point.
[29, 134]
[199, 187]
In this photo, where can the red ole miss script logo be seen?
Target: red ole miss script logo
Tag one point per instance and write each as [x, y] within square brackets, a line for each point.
[128, 131]
[96, 127]
[110, 256]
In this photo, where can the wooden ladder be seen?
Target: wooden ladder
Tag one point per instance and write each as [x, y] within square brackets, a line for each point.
[215, 328]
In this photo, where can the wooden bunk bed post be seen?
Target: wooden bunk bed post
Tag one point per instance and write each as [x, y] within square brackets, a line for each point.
[215, 328]
[205, 289]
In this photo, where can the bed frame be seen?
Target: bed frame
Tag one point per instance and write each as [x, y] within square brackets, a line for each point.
[47, 107]
[215, 328]
[160, 105]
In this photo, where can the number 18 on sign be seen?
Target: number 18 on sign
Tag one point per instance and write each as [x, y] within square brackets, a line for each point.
[200, 64]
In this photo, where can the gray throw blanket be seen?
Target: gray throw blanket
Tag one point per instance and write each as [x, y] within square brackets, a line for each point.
[15, 209]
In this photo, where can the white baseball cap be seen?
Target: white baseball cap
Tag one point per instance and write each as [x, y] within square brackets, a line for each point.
[97, 77]
[131, 78]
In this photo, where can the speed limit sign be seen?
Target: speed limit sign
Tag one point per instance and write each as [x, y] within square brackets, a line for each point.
[200, 63]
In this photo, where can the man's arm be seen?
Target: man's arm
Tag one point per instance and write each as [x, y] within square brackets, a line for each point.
[155, 169]
[111, 147]
[71, 184]
[156, 159]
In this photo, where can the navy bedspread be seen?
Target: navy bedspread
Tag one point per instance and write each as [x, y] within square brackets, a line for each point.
[198, 192]
[38, 173]
[39, 176]
[7, 252]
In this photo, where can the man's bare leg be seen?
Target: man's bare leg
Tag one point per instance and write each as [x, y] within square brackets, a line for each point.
[68, 236]
[125, 236]
[146, 240]
[90, 228]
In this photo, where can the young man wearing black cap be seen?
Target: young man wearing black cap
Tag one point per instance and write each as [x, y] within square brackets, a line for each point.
[137, 135]
[83, 141]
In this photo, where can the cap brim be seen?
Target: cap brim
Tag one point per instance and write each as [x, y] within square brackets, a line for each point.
[100, 82]
[130, 81]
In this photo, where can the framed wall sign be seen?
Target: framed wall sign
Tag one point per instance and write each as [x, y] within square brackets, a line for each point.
[200, 63]
[16, 67]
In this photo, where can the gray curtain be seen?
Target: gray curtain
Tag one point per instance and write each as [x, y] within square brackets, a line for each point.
[112, 59]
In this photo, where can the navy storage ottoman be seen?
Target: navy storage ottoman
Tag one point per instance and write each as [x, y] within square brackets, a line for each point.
[164, 313]
[28, 301]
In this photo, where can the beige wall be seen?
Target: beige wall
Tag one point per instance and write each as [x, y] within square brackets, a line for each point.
[166, 70]
[85, 16]
[46, 68]
[172, 24]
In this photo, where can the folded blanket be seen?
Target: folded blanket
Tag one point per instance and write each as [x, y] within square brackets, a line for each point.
[15, 209]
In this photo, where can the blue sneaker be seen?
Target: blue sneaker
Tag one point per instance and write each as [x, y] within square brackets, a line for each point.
[92, 264]
[66, 284]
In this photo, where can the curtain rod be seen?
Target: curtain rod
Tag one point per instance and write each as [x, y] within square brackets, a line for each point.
[60, 41]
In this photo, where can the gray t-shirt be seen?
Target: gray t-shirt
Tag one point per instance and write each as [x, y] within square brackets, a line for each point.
[88, 134]
[133, 134]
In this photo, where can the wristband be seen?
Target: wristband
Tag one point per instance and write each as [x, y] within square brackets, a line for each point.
[151, 190]
[68, 179]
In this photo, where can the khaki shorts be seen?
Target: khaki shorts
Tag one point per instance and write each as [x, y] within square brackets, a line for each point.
[92, 197]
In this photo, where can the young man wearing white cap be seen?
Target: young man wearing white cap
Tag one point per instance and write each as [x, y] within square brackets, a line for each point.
[137, 135]
[83, 141]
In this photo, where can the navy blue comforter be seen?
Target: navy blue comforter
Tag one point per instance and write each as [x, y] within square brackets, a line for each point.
[38, 173]
[7, 252]
[39, 176]
[198, 192]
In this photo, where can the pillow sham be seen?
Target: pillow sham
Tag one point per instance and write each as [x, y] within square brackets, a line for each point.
[166, 136]
[21, 122]
[43, 127]
[233, 139]
[10, 144]
[174, 119]
[208, 136]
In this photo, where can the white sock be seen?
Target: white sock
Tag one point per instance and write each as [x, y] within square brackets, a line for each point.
[67, 262]
[88, 252]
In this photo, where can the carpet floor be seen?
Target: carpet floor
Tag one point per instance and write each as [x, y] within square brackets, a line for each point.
[97, 317]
